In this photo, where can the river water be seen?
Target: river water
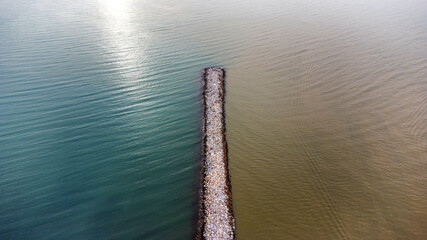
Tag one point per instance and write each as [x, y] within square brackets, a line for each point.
[100, 117]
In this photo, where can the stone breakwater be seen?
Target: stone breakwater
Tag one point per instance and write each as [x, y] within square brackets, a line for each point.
[216, 219]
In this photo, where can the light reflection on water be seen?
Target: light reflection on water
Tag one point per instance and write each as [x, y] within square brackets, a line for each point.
[100, 117]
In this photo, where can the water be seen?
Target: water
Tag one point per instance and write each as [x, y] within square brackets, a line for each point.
[327, 122]
[99, 125]
[100, 117]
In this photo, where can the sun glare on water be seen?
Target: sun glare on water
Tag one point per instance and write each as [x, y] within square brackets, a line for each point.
[117, 8]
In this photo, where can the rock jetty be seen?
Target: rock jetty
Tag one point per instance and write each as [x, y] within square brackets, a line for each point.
[216, 219]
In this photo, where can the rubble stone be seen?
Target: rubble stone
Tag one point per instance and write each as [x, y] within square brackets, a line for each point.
[216, 220]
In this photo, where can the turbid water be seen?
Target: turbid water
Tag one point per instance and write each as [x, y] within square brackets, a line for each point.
[100, 117]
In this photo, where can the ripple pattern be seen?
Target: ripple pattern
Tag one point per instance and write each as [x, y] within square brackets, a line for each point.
[101, 117]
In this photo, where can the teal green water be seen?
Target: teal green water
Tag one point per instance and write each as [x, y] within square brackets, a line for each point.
[100, 117]
[100, 122]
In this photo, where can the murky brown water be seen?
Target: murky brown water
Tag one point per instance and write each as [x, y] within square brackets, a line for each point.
[327, 123]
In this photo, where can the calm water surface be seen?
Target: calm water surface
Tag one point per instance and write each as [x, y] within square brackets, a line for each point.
[100, 117]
